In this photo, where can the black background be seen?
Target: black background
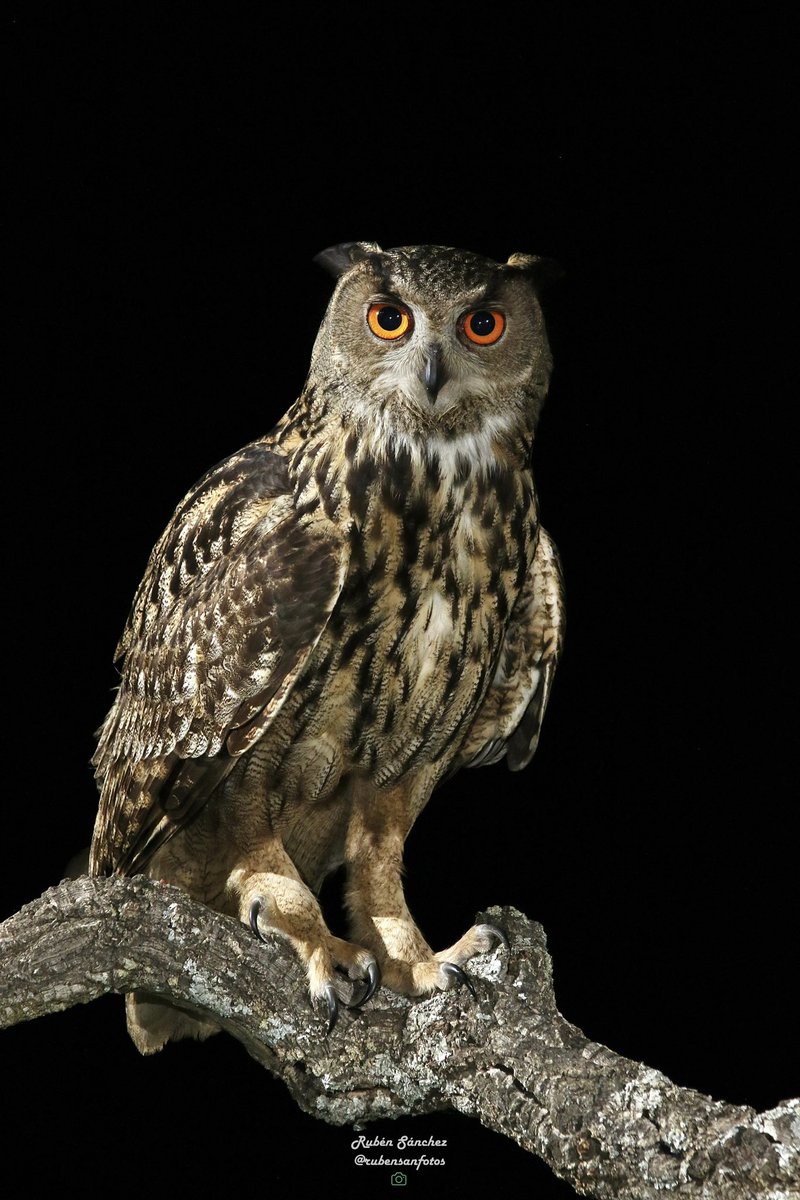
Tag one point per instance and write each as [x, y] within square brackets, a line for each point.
[172, 182]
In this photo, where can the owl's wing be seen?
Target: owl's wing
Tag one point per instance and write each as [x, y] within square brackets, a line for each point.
[236, 595]
[509, 720]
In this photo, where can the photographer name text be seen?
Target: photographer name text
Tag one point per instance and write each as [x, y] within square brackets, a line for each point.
[401, 1146]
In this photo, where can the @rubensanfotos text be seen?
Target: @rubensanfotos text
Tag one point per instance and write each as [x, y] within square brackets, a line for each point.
[403, 1151]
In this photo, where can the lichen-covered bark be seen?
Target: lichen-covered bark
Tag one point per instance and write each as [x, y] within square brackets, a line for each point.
[612, 1127]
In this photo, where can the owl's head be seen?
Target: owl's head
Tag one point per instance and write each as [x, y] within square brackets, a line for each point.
[430, 340]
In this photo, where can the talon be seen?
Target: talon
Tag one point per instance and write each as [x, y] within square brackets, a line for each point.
[358, 997]
[374, 974]
[493, 931]
[461, 979]
[332, 1001]
[255, 909]
[370, 986]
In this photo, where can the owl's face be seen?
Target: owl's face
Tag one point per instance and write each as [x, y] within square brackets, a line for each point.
[431, 340]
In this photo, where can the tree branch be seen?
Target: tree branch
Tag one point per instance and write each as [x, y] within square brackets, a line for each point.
[610, 1126]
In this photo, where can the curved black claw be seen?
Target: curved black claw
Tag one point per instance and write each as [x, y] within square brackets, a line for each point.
[332, 1001]
[255, 909]
[493, 931]
[369, 985]
[358, 995]
[461, 979]
[374, 979]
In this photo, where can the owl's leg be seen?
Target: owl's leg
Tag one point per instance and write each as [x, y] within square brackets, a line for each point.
[379, 915]
[265, 889]
[270, 895]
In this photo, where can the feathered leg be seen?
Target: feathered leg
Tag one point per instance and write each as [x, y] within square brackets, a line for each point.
[379, 917]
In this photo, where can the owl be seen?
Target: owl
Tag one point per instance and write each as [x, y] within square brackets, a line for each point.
[338, 618]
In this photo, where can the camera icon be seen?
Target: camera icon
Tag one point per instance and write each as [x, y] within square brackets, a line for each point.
[398, 1179]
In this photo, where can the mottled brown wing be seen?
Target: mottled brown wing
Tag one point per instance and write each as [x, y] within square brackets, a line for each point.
[236, 594]
[509, 720]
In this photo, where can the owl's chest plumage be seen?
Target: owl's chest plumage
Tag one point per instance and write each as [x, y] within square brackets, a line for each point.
[439, 546]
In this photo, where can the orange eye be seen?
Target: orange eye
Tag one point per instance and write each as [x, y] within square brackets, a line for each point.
[484, 326]
[389, 321]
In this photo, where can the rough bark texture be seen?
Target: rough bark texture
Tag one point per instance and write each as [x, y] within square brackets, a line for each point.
[610, 1126]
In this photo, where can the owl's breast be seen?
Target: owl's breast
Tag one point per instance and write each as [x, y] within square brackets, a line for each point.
[413, 642]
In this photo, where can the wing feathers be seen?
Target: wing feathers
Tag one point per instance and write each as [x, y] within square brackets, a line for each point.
[510, 718]
[236, 595]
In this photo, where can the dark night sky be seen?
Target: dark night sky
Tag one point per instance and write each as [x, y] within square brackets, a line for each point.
[172, 185]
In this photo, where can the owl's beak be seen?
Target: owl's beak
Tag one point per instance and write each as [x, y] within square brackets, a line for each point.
[434, 373]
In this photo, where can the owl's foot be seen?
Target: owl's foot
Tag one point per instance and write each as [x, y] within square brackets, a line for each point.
[479, 939]
[422, 972]
[327, 959]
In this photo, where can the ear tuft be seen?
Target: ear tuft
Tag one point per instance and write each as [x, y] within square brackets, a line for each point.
[338, 259]
[541, 271]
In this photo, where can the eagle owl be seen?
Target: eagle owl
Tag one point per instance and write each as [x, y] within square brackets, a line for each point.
[339, 617]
